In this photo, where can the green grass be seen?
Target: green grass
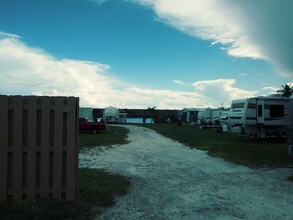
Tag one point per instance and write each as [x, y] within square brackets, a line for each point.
[231, 147]
[290, 178]
[112, 136]
[97, 188]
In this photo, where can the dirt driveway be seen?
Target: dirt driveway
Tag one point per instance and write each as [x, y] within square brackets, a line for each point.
[172, 181]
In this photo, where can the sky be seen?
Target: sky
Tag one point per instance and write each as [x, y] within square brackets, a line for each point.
[168, 54]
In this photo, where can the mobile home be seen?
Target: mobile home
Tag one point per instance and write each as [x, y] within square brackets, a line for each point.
[265, 116]
[86, 113]
[236, 114]
[114, 115]
[188, 115]
[210, 116]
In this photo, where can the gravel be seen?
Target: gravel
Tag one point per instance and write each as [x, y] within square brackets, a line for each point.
[171, 181]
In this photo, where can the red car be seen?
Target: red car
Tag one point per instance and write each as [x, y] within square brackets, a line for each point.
[93, 127]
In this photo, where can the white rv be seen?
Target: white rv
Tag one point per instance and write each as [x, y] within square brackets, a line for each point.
[234, 119]
[210, 116]
[189, 115]
[114, 115]
[86, 113]
[111, 114]
[259, 116]
[267, 116]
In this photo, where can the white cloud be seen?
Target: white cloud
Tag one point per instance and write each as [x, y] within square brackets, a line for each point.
[258, 29]
[243, 74]
[178, 82]
[212, 20]
[26, 71]
[221, 90]
[270, 88]
[7, 35]
[100, 2]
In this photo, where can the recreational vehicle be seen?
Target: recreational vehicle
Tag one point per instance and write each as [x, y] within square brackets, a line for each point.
[188, 115]
[210, 116]
[267, 116]
[114, 115]
[236, 114]
[86, 113]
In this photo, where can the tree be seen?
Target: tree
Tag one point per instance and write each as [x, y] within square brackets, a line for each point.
[152, 112]
[287, 90]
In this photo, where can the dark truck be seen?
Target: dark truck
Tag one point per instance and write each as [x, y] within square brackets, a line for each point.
[93, 127]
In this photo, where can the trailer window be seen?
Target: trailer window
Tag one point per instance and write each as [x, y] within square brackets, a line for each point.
[276, 111]
[238, 105]
[259, 110]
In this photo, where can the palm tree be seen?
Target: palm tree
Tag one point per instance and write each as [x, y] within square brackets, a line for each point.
[287, 90]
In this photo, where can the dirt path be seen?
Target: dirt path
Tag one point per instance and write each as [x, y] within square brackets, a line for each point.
[172, 181]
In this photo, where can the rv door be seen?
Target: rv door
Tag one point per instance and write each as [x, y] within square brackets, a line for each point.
[260, 119]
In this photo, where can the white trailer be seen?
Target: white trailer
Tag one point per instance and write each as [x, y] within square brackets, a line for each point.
[86, 113]
[114, 115]
[210, 116]
[236, 116]
[189, 115]
[266, 116]
[111, 114]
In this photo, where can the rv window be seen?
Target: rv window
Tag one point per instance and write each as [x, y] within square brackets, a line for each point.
[276, 111]
[238, 105]
[259, 109]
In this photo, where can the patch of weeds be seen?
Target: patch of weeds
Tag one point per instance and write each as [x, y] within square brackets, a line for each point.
[113, 135]
[45, 209]
[97, 191]
[102, 189]
[290, 178]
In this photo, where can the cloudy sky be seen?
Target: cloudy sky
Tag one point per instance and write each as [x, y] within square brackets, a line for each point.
[142, 53]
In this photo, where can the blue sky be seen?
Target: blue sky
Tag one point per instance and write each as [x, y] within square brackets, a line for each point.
[135, 54]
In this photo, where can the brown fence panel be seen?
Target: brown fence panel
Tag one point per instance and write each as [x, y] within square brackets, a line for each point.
[38, 147]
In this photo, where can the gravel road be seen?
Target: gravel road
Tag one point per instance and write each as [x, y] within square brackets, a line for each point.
[172, 181]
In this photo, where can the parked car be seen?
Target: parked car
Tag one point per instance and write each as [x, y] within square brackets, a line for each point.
[93, 127]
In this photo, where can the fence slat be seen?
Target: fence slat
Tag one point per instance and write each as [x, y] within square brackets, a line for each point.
[45, 145]
[17, 147]
[58, 142]
[31, 148]
[3, 146]
[72, 150]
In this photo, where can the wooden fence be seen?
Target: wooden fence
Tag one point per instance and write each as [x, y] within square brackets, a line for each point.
[38, 147]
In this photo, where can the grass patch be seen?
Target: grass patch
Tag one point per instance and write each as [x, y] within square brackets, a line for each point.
[290, 178]
[231, 147]
[97, 188]
[112, 136]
